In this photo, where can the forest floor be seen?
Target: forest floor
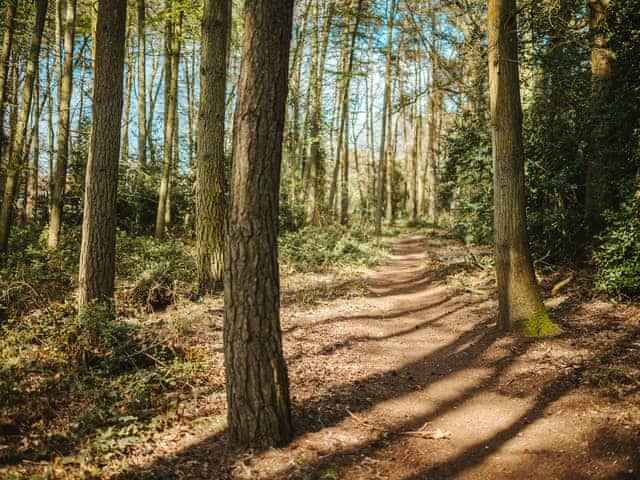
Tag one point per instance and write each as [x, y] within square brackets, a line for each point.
[402, 374]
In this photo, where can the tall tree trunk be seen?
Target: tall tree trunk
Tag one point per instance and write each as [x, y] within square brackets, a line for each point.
[175, 147]
[31, 206]
[601, 64]
[382, 163]
[210, 167]
[343, 138]
[64, 124]
[316, 152]
[432, 159]
[520, 305]
[153, 94]
[51, 137]
[259, 412]
[142, 86]
[392, 142]
[20, 132]
[5, 55]
[97, 253]
[128, 95]
[169, 124]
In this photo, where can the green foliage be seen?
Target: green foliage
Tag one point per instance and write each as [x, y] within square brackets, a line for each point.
[467, 180]
[153, 275]
[31, 276]
[100, 384]
[618, 257]
[150, 275]
[329, 248]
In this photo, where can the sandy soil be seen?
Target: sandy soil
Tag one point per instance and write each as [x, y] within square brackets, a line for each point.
[411, 380]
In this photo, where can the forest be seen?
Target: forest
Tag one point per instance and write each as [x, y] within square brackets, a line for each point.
[319, 240]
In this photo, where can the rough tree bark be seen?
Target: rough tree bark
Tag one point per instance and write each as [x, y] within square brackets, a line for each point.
[520, 305]
[16, 159]
[210, 166]
[259, 412]
[97, 252]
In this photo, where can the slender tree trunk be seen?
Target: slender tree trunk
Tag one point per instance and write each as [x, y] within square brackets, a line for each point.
[189, 74]
[175, 147]
[142, 86]
[153, 99]
[259, 412]
[520, 305]
[432, 181]
[392, 135]
[16, 158]
[31, 206]
[128, 94]
[210, 168]
[344, 181]
[97, 253]
[64, 124]
[343, 139]
[317, 157]
[5, 56]
[382, 164]
[169, 128]
[601, 65]
[51, 138]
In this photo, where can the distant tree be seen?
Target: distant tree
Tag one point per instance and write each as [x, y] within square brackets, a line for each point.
[142, 85]
[386, 107]
[598, 141]
[97, 253]
[64, 124]
[16, 158]
[256, 374]
[5, 55]
[170, 150]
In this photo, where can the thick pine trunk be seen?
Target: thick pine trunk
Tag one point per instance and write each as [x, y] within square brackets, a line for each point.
[211, 185]
[16, 159]
[257, 382]
[520, 305]
[97, 253]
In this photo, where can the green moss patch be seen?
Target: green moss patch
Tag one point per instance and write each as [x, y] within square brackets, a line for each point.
[537, 326]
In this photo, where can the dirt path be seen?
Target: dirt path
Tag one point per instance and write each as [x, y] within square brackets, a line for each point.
[413, 381]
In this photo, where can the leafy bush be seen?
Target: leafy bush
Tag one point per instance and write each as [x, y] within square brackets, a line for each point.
[153, 275]
[618, 257]
[329, 248]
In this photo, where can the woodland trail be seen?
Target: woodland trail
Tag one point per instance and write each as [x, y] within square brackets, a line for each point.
[413, 381]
